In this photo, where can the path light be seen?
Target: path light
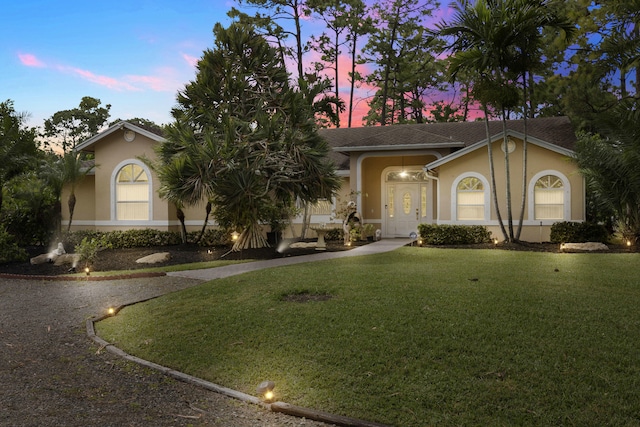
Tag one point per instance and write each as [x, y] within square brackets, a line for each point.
[495, 241]
[265, 389]
[234, 236]
[111, 311]
[87, 271]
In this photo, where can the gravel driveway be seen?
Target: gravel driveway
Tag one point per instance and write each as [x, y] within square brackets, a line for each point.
[52, 374]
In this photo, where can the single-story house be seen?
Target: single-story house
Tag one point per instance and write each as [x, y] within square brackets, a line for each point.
[400, 176]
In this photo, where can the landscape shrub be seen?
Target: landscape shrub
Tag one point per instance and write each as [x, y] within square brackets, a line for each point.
[88, 251]
[334, 234]
[211, 237]
[142, 238]
[9, 250]
[432, 234]
[578, 232]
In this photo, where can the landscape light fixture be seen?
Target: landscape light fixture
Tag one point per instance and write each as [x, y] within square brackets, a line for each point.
[628, 242]
[234, 236]
[111, 311]
[87, 271]
[265, 389]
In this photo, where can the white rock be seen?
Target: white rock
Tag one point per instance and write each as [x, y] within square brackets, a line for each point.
[297, 245]
[72, 259]
[155, 258]
[586, 247]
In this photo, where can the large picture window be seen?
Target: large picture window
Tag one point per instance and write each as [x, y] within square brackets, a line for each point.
[470, 199]
[132, 193]
[548, 194]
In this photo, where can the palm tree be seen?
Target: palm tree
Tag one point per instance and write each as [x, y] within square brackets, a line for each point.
[531, 18]
[74, 170]
[499, 41]
[478, 51]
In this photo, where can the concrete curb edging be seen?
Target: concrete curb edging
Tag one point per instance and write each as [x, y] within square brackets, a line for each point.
[281, 407]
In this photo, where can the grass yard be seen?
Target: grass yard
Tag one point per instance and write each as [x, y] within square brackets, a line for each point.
[415, 337]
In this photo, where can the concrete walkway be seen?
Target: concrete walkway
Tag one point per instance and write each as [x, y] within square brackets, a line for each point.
[381, 246]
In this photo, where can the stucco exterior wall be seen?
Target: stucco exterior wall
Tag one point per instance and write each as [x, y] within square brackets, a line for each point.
[540, 161]
[84, 210]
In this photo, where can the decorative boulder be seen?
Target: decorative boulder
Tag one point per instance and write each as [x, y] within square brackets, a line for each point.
[298, 245]
[155, 258]
[41, 259]
[71, 259]
[583, 247]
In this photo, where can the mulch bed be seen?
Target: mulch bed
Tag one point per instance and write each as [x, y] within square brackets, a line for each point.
[125, 259]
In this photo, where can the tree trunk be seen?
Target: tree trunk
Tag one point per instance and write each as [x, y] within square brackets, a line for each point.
[507, 172]
[523, 200]
[183, 228]
[204, 224]
[494, 193]
[353, 80]
[72, 205]
[251, 237]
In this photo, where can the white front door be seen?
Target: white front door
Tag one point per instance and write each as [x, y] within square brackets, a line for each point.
[403, 208]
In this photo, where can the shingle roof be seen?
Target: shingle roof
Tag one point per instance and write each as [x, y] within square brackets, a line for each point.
[554, 130]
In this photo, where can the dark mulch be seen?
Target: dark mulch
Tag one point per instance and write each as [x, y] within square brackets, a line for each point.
[125, 259]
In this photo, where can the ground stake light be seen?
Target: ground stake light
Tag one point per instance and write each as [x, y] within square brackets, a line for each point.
[265, 389]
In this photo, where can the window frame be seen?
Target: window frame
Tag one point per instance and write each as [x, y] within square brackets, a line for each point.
[114, 196]
[566, 209]
[486, 199]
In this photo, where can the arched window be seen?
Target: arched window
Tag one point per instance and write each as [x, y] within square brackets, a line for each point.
[132, 193]
[548, 196]
[470, 199]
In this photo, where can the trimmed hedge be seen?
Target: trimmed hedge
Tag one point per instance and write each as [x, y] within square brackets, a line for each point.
[143, 238]
[453, 234]
[578, 232]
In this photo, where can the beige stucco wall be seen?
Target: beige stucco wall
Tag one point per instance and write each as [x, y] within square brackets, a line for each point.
[84, 210]
[539, 159]
[94, 207]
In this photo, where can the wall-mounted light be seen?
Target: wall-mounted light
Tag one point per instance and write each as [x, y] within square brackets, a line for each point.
[265, 389]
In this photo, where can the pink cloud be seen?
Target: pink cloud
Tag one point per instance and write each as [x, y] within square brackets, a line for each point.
[191, 60]
[164, 80]
[106, 81]
[30, 60]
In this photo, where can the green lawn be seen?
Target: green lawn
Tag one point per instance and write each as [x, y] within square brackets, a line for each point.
[409, 340]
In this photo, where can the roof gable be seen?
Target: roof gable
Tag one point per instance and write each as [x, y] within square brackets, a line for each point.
[120, 126]
[480, 144]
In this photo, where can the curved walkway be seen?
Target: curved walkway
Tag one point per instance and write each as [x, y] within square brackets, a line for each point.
[51, 375]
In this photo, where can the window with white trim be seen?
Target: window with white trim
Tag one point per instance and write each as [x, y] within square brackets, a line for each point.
[470, 199]
[548, 195]
[132, 193]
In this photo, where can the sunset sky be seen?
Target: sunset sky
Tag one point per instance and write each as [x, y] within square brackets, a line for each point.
[135, 54]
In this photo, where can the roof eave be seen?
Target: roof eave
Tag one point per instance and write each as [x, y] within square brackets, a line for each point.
[361, 148]
[479, 144]
[118, 126]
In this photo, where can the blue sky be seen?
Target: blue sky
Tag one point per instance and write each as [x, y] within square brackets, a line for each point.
[135, 55]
